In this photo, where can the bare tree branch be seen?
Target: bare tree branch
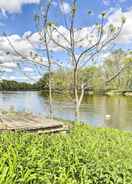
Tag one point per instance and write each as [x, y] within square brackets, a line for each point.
[117, 74]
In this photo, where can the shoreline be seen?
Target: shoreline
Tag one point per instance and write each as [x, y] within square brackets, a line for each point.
[87, 93]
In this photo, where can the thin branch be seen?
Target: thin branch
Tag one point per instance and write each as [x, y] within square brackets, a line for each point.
[82, 39]
[24, 73]
[104, 44]
[95, 45]
[21, 55]
[63, 14]
[61, 34]
[117, 74]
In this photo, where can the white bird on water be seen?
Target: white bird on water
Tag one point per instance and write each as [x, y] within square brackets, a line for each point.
[107, 116]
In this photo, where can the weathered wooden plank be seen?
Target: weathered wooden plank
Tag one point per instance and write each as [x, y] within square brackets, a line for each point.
[29, 122]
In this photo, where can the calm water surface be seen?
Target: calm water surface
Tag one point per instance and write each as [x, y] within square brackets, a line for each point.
[102, 111]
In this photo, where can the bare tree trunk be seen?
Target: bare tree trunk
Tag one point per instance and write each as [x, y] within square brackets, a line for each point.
[76, 94]
[50, 94]
[78, 99]
[49, 79]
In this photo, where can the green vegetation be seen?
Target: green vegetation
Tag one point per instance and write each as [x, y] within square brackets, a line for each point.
[114, 76]
[14, 86]
[115, 73]
[84, 156]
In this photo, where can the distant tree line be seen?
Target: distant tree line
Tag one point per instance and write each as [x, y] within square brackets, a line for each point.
[10, 85]
[114, 73]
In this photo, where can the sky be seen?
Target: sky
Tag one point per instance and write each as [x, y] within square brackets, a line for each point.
[17, 20]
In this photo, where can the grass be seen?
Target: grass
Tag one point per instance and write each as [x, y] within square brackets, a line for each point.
[86, 155]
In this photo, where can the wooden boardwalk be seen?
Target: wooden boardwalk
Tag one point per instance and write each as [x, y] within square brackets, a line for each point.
[28, 122]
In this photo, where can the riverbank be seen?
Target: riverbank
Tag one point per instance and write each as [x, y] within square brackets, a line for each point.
[118, 92]
[85, 155]
[70, 92]
[94, 92]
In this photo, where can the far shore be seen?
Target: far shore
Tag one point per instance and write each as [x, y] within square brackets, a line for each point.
[112, 92]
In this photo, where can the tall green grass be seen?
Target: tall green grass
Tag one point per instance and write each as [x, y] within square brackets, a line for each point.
[84, 156]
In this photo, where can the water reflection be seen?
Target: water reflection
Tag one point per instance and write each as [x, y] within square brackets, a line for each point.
[94, 109]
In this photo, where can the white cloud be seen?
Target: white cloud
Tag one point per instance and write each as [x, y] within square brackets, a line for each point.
[105, 55]
[21, 45]
[4, 13]
[8, 70]
[36, 77]
[16, 78]
[27, 69]
[54, 3]
[10, 65]
[84, 37]
[65, 8]
[34, 38]
[11, 78]
[8, 58]
[126, 33]
[14, 6]
[3, 78]
[8, 55]
[108, 2]
[27, 34]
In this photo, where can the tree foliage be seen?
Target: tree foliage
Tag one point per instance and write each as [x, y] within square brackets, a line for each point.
[14, 86]
[114, 73]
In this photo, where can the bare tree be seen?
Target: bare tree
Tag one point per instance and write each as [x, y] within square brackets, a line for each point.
[102, 35]
[41, 21]
[42, 26]
[81, 48]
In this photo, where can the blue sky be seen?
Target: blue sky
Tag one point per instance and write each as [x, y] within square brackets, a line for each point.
[20, 22]
[16, 17]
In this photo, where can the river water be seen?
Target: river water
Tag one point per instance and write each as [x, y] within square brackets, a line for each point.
[102, 111]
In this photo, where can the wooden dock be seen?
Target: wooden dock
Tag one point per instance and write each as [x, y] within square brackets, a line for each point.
[28, 122]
